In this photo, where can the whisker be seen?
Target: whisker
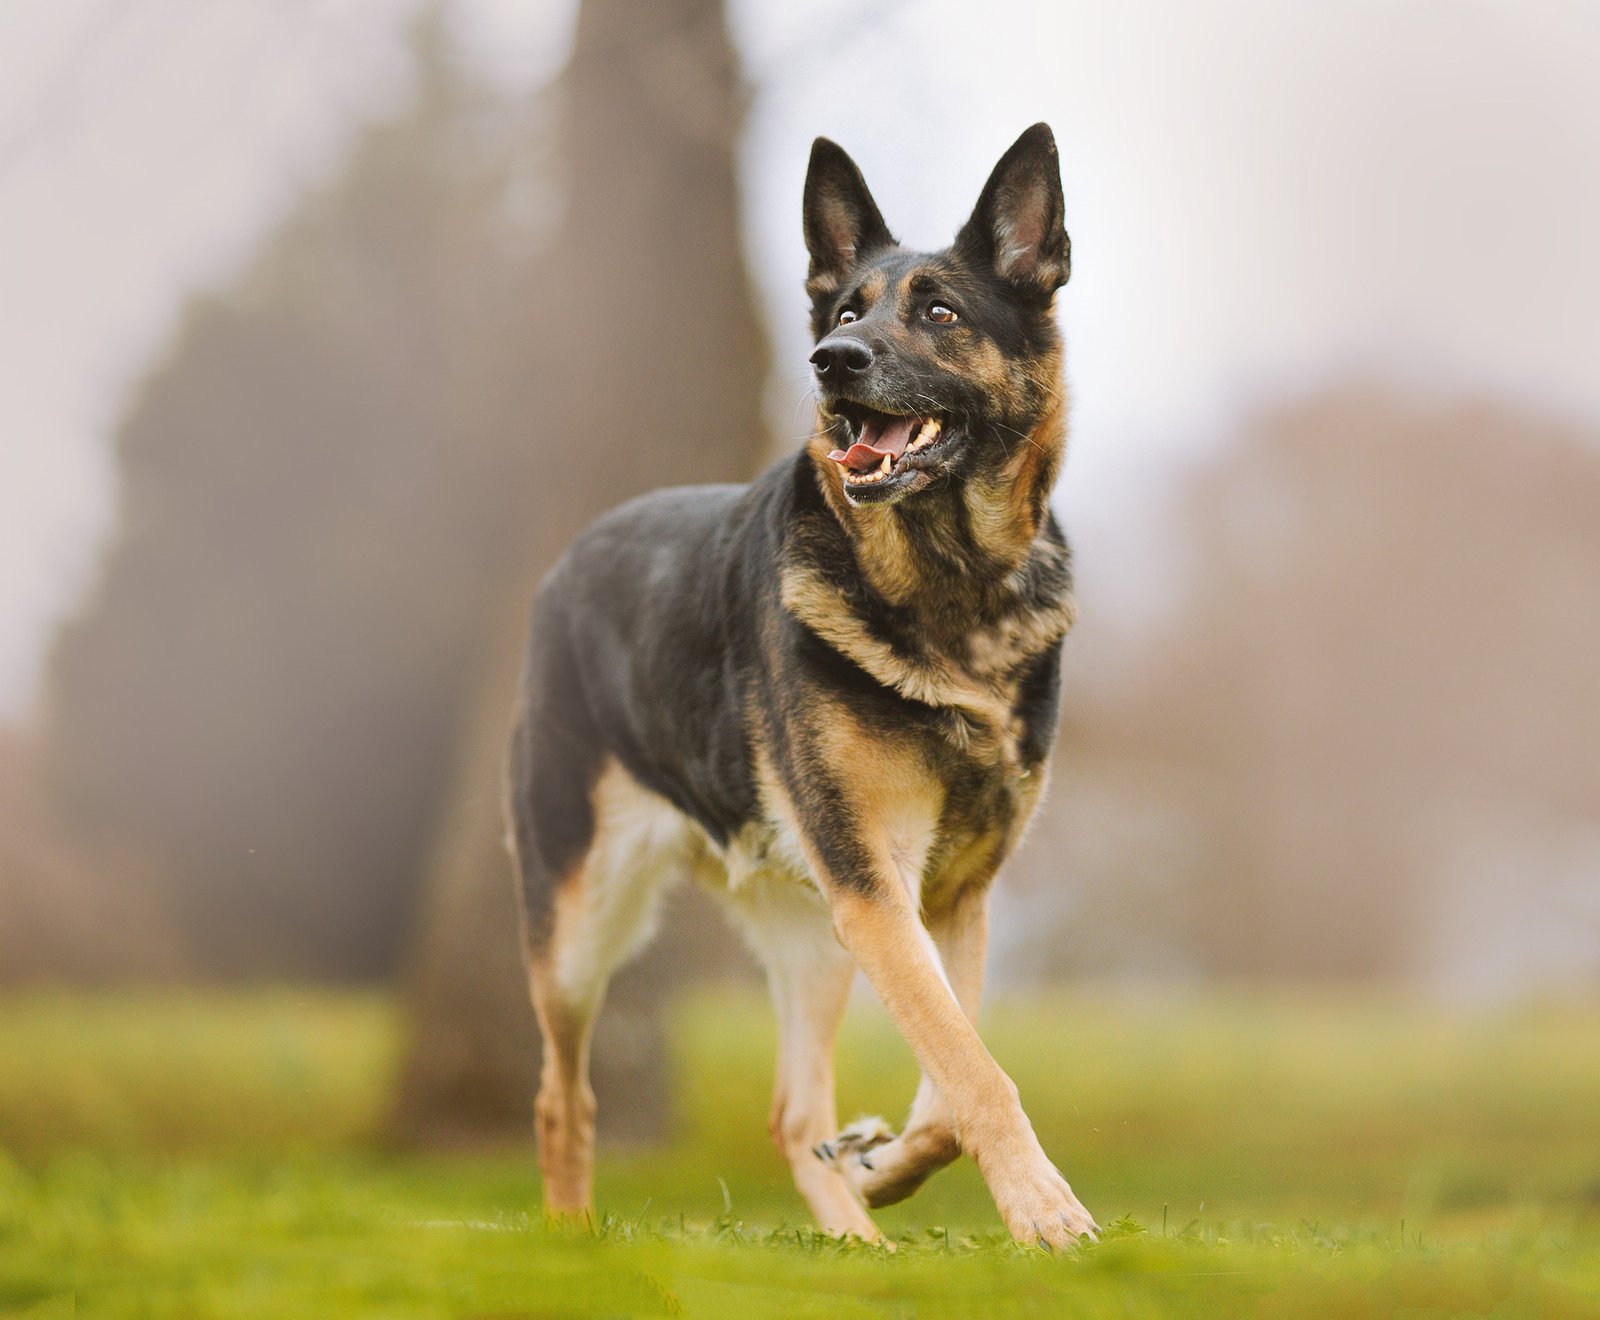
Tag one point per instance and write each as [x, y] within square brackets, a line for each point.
[1021, 436]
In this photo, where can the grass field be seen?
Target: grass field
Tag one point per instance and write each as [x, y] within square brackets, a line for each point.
[1268, 1156]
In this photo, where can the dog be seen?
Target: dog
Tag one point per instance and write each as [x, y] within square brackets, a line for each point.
[831, 695]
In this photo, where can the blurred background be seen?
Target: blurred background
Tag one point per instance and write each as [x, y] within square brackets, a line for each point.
[324, 325]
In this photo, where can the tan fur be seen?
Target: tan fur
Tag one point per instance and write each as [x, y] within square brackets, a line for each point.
[928, 1140]
[602, 912]
[1033, 1198]
[983, 361]
[1005, 515]
[824, 284]
[880, 542]
[564, 1110]
[993, 652]
[810, 976]
[884, 934]
[899, 801]
[1039, 462]
[822, 608]
[982, 689]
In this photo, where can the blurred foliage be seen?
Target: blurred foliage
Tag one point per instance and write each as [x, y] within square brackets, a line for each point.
[1355, 742]
[317, 516]
[264, 1071]
[1328, 1156]
[279, 720]
[1360, 742]
[65, 913]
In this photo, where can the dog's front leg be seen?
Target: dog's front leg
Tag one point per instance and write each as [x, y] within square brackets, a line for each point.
[878, 924]
[881, 1167]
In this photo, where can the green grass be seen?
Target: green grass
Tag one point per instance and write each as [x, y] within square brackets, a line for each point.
[222, 1156]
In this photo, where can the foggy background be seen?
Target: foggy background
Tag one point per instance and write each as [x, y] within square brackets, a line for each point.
[324, 325]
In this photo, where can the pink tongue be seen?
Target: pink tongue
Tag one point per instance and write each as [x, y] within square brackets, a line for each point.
[880, 435]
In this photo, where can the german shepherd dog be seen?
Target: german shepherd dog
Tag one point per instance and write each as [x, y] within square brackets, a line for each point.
[831, 695]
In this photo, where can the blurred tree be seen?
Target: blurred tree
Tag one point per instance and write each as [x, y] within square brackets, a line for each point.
[64, 915]
[1379, 676]
[316, 517]
[651, 356]
[289, 693]
[285, 700]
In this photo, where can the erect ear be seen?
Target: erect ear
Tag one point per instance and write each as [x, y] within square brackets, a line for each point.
[1018, 226]
[841, 219]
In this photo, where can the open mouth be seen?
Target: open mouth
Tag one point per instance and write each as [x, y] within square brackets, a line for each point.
[881, 442]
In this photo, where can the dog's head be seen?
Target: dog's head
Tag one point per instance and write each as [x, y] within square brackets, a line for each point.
[938, 365]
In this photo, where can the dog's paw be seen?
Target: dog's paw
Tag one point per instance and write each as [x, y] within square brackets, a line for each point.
[854, 1144]
[1039, 1208]
[881, 1168]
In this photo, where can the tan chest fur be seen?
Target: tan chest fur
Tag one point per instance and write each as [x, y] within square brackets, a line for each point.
[938, 842]
[975, 679]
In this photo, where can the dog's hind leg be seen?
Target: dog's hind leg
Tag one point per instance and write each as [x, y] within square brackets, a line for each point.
[598, 915]
[809, 975]
[564, 1111]
[883, 1168]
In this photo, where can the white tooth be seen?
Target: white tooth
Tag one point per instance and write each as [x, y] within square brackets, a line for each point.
[884, 466]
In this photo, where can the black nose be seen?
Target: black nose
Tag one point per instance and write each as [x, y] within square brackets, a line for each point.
[842, 351]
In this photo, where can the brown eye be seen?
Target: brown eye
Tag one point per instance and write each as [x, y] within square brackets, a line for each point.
[942, 314]
[846, 316]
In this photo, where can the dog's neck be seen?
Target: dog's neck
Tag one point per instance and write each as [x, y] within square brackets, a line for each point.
[958, 554]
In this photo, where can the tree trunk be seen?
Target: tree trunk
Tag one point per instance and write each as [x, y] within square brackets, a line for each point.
[644, 332]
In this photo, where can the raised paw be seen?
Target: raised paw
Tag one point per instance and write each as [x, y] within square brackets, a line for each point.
[882, 1168]
[852, 1146]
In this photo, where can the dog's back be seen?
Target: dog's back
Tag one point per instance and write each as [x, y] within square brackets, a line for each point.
[643, 636]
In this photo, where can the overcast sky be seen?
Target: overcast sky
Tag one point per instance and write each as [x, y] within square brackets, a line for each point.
[1262, 196]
